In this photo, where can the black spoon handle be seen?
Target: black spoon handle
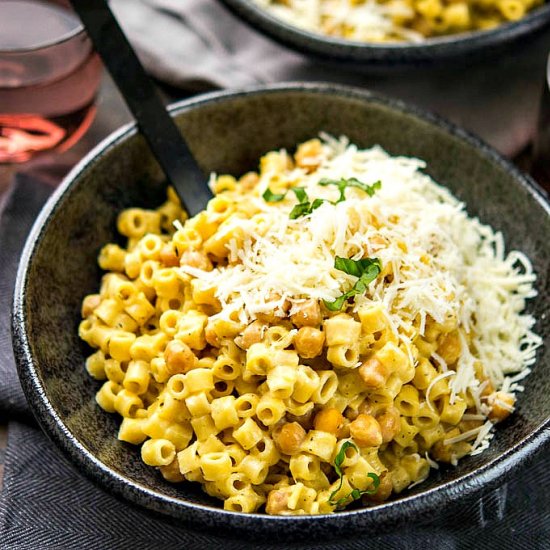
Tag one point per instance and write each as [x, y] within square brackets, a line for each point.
[167, 144]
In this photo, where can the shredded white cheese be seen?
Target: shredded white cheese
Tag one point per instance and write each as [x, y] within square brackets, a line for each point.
[483, 438]
[433, 383]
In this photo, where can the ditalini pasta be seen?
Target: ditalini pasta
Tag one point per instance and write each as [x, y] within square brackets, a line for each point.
[325, 332]
[396, 20]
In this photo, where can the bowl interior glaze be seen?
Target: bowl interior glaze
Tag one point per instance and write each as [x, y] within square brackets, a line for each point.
[228, 133]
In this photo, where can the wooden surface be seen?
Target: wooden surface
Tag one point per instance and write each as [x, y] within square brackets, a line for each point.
[111, 114]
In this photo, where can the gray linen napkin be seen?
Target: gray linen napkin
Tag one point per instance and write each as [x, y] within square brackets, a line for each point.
[198, 45]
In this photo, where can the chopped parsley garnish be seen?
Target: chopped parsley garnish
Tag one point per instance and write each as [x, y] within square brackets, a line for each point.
[269, 196]
[305, 206]
[356, 493]
[366, 270]
[300, 193]
[343, 184]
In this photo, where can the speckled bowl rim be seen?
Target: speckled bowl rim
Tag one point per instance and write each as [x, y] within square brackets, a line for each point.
[377, 517]
[432, 50]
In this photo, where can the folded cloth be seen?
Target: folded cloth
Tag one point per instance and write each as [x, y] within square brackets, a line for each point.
[46, 503]
[198, 45]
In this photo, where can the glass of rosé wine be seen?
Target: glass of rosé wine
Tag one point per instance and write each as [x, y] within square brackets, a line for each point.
[49, 77]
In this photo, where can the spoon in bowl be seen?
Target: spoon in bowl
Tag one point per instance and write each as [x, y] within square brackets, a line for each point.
[141, 96]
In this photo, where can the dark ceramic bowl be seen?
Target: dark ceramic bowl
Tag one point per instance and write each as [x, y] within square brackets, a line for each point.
[505, 38]
[228, 133]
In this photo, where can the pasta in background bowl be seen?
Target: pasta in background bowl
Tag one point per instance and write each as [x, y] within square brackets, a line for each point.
[59, 268]
[387, 34]
[397, 20]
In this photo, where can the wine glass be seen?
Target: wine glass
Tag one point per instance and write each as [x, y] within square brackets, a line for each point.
[49, 77]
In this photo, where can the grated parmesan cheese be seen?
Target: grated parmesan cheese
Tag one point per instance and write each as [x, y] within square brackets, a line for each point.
[433, 383]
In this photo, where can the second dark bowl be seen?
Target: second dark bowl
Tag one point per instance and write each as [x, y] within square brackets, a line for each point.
[494, 42]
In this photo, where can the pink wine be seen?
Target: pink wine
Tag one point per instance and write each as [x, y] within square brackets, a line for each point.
[49, 78]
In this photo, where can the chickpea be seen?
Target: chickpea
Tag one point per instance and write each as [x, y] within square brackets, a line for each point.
[252, 334]
[168, 256]
[328, 420]
[178, 357]
[289, 438]
[277, 502]
[211, 336]
[275, 315]
[488, 389]
[309, 342]
[384, 489]
[365, 431]
[373, 373]
[309, 154]
[249, 181]
[449, 347]
[89, 304]
[502, 405]
[307, 314]
[390, 424]
[268, 317]
[197, 259]
[449, 453]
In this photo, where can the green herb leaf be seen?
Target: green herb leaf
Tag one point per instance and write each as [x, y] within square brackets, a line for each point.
[305, 208]
[343, 184]
[375, 484]
[269, 196]
[316, 203]
[355, 267]
[368, 189]
[300, 209]
[338, 461]
[341, 187]
[356, 493]
[300, 193]
[366, 269]
[337, 304]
